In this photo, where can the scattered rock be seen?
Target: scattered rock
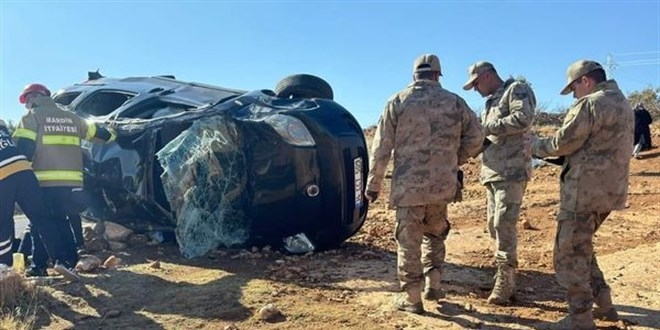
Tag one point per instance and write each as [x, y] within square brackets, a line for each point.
[270, 313]
[117, 246]
[99, 228]
[111, 262]
[96, 244]
[116, 232]
[137, 240]
[88, 263]
[155, 264]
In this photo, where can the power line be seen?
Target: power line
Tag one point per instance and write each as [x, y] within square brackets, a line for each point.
[656, 62]
[637, 53]
[611, 64]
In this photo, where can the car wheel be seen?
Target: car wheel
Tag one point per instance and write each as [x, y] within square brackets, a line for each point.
[303, 86]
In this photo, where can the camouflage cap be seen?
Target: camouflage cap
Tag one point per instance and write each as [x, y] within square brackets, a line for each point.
[474, 71]
[427, 62]
[577, 70]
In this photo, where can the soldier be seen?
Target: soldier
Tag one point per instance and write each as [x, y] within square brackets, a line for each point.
[50, 137]
[19, 185]
[506, 165]
[595, 143]
[431, 131]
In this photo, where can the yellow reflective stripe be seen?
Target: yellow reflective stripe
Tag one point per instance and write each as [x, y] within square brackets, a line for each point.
[61, 140]
[113, 135]
[91, 131]
[59, 175]
[25, 133]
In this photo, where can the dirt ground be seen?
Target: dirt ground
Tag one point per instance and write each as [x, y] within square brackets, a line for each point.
[353, 287]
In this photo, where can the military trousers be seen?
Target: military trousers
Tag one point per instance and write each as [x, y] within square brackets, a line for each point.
[504, 200]
[575, 264]
[420, 234]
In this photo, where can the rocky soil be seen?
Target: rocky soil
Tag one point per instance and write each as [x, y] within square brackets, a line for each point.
[352, 287]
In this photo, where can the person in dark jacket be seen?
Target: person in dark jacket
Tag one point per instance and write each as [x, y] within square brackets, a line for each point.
[19, 184]
[642, 132]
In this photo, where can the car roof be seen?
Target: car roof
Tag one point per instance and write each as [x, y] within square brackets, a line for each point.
[192, 92]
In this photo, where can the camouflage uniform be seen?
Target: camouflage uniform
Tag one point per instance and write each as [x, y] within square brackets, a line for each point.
[431, 131]
[595, 140]
[506, 168]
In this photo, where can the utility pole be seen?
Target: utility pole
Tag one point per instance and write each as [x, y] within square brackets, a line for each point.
[648, 58]
[610, 66]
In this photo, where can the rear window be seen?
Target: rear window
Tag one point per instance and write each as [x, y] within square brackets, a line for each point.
[66, 98]
[154, 108]
[103, 103]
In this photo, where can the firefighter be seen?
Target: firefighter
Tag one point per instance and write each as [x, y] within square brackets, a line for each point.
[19, 185]
[51, 138]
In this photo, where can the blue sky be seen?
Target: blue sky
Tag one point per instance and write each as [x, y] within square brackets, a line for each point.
[364, 49]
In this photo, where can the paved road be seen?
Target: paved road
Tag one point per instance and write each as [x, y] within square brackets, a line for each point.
[21, 223]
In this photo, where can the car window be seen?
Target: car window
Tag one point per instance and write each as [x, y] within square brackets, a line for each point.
[153, 108]
[66, 98]
[104, 102]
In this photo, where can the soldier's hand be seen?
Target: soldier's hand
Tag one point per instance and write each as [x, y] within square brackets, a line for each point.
[371, 195]
[458, 197]
[487, 142]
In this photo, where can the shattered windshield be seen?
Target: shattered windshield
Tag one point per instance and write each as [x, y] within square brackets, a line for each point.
[204, 179]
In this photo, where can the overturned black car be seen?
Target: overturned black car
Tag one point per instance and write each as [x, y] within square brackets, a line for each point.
[219, 166]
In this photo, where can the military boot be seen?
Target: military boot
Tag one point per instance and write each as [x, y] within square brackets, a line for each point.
[582, 321]
[605, 310]
[409, 301]
[505, 285]
[433, 290]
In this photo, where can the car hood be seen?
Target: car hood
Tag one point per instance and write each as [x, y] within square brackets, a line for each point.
[205, 175]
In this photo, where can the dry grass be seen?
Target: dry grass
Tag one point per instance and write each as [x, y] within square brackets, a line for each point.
[18, 301]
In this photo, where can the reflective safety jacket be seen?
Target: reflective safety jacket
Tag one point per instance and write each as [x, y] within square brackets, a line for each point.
[50, 137]
[11, 159]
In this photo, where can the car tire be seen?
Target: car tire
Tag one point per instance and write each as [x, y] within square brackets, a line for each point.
[303, 86]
